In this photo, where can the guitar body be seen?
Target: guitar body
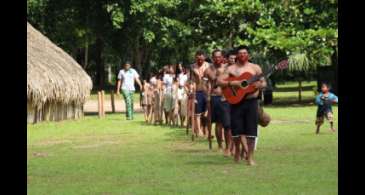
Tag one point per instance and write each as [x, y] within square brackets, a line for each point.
[235, 94]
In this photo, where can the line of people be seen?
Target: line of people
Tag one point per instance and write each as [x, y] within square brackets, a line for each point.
[164, 96]
[192, 96]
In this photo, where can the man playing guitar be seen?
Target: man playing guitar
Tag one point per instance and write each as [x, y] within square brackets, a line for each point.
[244, 115]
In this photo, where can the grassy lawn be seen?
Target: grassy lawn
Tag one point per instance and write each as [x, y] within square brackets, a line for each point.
[115, 156]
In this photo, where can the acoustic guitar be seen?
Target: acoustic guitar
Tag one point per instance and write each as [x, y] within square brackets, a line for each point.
[235, 94]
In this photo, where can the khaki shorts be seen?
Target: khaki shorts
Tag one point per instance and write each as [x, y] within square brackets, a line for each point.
[168, 102]
[328, 116]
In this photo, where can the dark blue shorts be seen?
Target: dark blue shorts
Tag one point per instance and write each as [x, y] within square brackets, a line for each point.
[220, 112]
[201, 105]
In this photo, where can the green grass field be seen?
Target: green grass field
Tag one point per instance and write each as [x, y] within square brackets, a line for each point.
[115, 156]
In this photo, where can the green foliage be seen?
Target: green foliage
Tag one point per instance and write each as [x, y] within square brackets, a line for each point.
[117, 15]
[166, 31]
[299, 62]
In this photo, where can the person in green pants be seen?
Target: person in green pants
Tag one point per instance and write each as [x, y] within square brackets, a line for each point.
[127, 77]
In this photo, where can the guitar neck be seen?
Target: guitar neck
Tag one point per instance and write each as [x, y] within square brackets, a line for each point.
[258, 77]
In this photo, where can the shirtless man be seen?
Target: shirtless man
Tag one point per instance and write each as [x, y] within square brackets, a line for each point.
[231, 58]
[220, 109]
[196, 76]
[244, 115]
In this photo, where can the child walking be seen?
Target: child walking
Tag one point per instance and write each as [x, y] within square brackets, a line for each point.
[324, 100]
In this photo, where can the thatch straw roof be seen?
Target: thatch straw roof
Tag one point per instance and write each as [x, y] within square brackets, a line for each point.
[52, 74]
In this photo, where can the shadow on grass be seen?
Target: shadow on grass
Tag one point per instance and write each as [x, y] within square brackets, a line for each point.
[293, 89]
[211, 160]
[282, 103]
[313, 134]
[96, 113]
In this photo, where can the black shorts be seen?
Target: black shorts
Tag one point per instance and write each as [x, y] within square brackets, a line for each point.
[201, 104]
[220, 112]
[244, 118]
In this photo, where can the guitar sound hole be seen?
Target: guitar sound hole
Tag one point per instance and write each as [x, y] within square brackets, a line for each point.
[244, 83]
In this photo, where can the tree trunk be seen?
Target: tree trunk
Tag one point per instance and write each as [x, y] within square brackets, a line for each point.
[109, 73]
[138, 59]
[145, 62]
[230, 40]
[100, 69]
[334, 62]
[77, 55]
[86, 54]
[300, 90]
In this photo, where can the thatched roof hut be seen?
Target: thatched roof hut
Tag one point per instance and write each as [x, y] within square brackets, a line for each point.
[57, 86]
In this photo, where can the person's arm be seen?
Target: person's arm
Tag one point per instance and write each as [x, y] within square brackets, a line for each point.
[210, 74]
[221, 79]
[139, 83]
[334, 98]
[318, 99]
[119, 83]
[194, 73]
[261, 84]
[118, 86]
[136, 78]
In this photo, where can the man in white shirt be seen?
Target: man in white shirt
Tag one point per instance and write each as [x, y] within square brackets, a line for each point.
[126, 80]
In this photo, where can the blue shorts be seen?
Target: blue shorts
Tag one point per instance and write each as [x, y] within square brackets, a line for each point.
[201, 105]
[221, 112]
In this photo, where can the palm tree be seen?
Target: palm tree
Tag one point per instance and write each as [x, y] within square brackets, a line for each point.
[299, 62]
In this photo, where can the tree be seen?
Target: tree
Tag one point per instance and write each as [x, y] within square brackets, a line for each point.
[299, 63]
[154, 33]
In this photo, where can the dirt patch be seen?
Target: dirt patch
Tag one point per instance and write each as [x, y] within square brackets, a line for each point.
[96, 145]
[40, 154]
[289, 121]
[51, 142]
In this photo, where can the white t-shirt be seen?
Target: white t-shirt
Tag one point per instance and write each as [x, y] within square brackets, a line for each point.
[168, 81]
[182, 79]
[153, 81]
[128, 78]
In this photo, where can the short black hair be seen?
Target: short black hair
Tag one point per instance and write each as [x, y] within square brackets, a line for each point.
[126, 62]
[230, 52]
[199, 53]
[242, 47]
[328, 85]
[216, 50]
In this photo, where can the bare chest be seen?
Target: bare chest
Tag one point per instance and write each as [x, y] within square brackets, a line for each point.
[237, 71]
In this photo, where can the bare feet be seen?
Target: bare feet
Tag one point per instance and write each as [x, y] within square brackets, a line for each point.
[227, 152]
[251, 163]
[236, 158]
[333, 129]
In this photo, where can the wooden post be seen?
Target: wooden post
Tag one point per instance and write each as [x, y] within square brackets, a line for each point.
[187, 114]
[102, 103]
[99, 104]
[193, 116]
[300, 90]
[112, 101]
[209, 122]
